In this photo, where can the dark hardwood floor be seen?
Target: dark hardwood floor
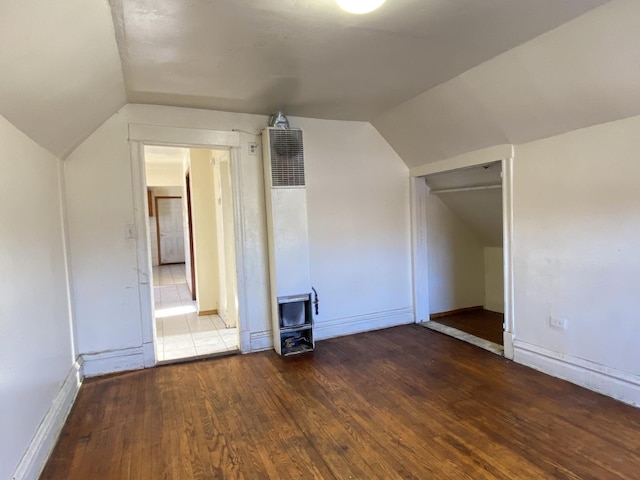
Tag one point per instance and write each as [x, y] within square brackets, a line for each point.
[400, 403]
[481, 323]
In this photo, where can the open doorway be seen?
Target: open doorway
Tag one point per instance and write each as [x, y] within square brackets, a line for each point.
[192, 246]
[465, 254]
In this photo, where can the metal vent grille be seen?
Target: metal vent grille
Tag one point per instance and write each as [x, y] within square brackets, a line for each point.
[287, 158]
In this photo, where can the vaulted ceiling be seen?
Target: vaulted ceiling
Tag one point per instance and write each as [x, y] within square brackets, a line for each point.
[414, 67]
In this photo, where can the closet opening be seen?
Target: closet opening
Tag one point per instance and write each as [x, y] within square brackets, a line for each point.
[464, 211]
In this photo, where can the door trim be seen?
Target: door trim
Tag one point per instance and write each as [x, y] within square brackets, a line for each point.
[139, 136]
[192, 261]
[419, 198]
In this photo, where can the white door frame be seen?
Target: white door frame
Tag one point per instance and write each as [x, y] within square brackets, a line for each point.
[141, 135]
[419, 199]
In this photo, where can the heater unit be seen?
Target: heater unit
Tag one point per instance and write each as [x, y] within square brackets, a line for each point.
[286, 199]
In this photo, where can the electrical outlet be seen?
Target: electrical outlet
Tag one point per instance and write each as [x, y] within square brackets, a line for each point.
[253, 148]
[559, 323]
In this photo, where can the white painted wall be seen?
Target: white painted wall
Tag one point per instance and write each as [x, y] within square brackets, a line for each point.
[205, 236]
[456, 260]
[576, 237]
[494, 279]
[103, 262]
[359, 226]
[358, 194]
[36, 346]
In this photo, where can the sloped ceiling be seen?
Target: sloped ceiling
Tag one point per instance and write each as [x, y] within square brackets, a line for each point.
[583, 73]
[310, 58]
[67, 65]
[60, 76]
[480, 210]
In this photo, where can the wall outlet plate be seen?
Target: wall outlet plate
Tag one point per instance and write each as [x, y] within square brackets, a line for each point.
[253, 148]
[557, 322]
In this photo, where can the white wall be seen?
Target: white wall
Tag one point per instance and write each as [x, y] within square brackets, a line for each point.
[359, 229]
[36, 347]
[576, 256]
[456, 260]
[494, 279]
[103, 261]
[205, 236]
[358, 197]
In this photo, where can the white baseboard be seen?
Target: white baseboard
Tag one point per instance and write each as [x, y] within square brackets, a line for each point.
[362, 323]
[620, 385]
[38, 451]
[342, 326]
[261, 341]
[113, 361]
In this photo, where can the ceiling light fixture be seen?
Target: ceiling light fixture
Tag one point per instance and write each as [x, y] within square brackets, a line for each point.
[359, 6]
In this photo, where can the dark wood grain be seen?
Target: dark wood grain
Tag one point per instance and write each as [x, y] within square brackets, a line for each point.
[481, 323]
[402, 403]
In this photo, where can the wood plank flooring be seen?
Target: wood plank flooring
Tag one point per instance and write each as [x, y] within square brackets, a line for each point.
[481, 323]
[401, 403]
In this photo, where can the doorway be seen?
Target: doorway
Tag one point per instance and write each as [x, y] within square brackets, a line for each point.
[192, 288]
[169, 226]
[466, 234]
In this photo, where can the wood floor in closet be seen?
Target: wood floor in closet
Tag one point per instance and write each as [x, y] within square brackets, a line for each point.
[481, 323]
[401, 403]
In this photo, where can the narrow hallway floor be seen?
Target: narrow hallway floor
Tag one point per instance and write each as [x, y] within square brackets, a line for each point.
[180, 332]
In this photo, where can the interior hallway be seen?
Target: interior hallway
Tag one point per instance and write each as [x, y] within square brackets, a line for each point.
[180, 331]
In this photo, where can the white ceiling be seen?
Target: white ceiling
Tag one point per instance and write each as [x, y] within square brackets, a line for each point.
[311, 59]
[70, 64]
[480, 210]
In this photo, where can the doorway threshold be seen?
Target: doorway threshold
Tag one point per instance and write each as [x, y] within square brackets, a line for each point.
[465, 337]
[206, 356]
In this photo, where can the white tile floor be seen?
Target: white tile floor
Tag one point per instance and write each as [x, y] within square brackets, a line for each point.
[180, 332]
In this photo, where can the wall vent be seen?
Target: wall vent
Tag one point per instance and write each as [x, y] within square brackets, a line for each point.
[287, 157]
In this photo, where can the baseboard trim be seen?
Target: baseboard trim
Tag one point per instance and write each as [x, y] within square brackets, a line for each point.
[202, 313]
[457, 311]
[33, 461]
[102, 363]
[362, 323]
[614, 383]
[261, 340]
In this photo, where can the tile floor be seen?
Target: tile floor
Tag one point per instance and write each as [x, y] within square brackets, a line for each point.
[180, 332]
